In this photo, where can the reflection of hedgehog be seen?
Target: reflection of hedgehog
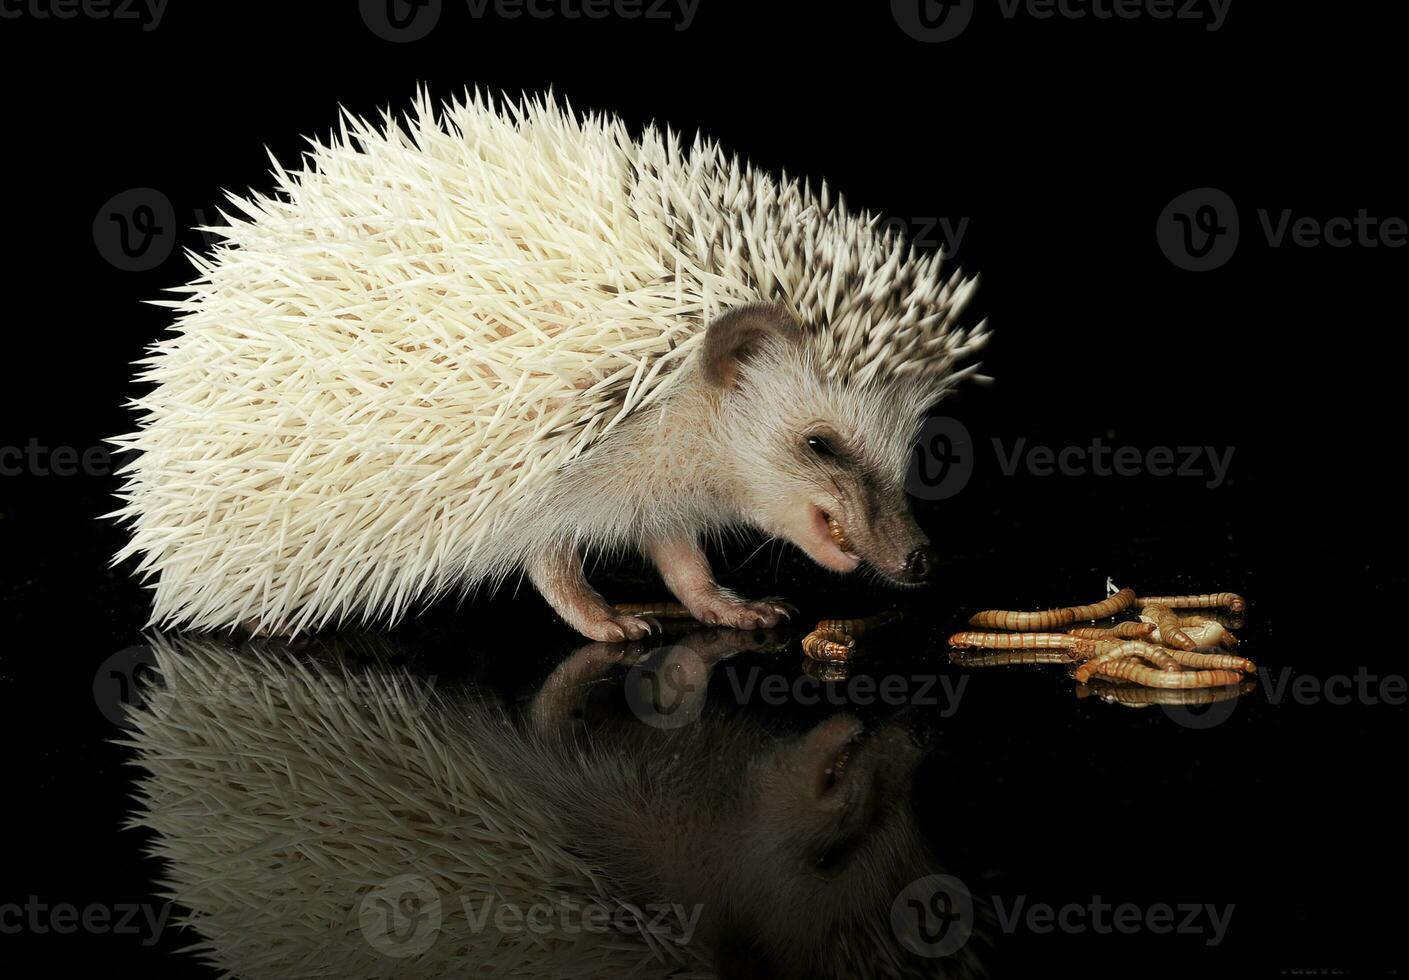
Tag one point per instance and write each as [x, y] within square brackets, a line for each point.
[484, 341]
[317, 822]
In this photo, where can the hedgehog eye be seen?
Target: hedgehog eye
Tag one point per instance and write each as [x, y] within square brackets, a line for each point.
[821, 447]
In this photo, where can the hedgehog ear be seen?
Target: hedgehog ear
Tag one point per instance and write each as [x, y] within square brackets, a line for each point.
[735, 336]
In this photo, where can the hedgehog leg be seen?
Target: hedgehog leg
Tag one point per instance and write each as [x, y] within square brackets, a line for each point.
[682, 563]
[557, 575]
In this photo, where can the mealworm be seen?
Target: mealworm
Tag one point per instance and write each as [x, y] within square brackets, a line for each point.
[1230, 600]
[858, 627]
[1166, 626]
[1010, 619]
[966, 658]
[1108, 651]
[838, 535]
[1222, 661]
[823, 645]
[1128, 670]
[1119, 602]
[1122, 631]
[661, 610]
[1016, 641]
[1209, 634]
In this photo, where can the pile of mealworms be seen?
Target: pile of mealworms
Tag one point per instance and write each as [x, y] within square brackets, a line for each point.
[1162, 649]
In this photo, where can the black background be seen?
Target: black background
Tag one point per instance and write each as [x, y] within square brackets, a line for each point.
[1058, 143]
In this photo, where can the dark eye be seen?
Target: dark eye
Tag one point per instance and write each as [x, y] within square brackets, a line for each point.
[821, 447]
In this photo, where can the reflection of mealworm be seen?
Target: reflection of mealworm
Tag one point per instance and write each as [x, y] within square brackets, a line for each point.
[1135, 696]
[1130, 671]
[824, 645]
[1119, 602]
[661, 610]
[1017, 641]
[857, 627]
[1206, 600]
[1221, 661]
[967, 658]
[825, 670]
[1169, 632]
[1120, 631]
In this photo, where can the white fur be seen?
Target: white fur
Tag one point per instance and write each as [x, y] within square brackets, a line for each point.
[387, 379]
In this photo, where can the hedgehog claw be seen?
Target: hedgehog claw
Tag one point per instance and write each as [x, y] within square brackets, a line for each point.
[618, 629]
[741, 614]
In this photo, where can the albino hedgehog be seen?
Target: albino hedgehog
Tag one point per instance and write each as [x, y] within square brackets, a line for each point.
[494, 337]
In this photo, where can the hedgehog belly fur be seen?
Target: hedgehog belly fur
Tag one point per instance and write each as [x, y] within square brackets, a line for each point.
[381, 370]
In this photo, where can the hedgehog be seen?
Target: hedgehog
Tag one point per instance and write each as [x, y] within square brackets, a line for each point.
[491, 338]
[369, 824]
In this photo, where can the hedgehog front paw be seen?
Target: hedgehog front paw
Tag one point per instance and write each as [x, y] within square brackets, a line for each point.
[619, 627]
[729, 610]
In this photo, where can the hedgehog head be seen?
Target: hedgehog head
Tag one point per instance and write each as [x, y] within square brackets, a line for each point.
[818, 458]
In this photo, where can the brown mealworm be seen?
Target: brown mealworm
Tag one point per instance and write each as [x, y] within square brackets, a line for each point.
[858, 627]
[965, 658]
[838, 535]
[661, 610]
[1120, 631]
[1010, 619]
[1206, 600]
[1168, 627]
[822, 645]
[1119, 602]
[1209, 635]
[1128, 670]
[1221, 661]
[1016, 641]
[1108, 651]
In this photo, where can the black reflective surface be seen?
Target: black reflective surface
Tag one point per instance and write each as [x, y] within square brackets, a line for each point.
[1260, 836]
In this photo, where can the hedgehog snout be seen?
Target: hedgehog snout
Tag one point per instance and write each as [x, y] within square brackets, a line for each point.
[919, 564]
